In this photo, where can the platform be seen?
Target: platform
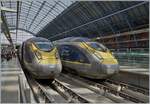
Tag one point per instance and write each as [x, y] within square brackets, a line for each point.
[144, 71]
[134, 76]
[9, 81]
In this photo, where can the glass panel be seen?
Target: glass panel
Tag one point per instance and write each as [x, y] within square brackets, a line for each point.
[44, 46]
[131, 57]
[97, 46]
[71, 53]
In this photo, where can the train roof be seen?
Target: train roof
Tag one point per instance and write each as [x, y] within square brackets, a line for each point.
[74, 39]
[38, 39]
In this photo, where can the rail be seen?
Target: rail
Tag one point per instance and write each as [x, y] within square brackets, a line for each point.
[112, 89]
[39, 92]
[45, 95]
[74, 97]
[127, 86]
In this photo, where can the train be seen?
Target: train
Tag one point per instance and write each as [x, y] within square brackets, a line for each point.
[87, 58]
[40, 58]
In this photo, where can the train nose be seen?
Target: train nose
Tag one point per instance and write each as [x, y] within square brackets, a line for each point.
[49, 71]
[110, 69]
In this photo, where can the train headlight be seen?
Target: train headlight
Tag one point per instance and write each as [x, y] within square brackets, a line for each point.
[38, 55]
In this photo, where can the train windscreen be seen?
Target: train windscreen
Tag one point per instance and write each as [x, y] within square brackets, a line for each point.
[97, 46]
[44, 46]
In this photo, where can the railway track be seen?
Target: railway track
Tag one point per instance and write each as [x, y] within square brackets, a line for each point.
[66, 92]
[54, 92]
[39, 92]
[70, 95]
[61, 90]
[131, 87]
[132, 95]
[112, 90]
[68, 88]
[83, 91]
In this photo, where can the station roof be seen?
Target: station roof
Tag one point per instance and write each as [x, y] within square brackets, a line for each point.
[74, 39]
[33, 15]
[98, 18]
[55, 19]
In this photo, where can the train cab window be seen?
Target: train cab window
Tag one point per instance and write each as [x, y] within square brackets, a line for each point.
[97, 46]
[72, 53]
[44, 46]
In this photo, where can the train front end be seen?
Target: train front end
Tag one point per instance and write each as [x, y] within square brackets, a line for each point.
[104, 61]
[47, 64]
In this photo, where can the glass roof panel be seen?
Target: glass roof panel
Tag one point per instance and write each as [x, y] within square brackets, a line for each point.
[32, 14]
[20, 38]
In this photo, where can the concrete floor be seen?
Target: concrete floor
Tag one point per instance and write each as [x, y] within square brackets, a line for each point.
[13, 63]
[9, 81]
[9, 89]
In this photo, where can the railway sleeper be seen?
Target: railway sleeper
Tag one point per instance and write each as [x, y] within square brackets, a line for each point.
[137, 95]
[111, 89]
[127, 86]
[47, 96]
[102, 90]
[72, 97]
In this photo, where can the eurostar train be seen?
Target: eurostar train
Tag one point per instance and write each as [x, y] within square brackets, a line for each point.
[40, 58]
[87, 58]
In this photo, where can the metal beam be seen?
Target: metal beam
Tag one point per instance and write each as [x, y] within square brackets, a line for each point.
[5, 28]
[46, 15]
[17, 20]
[42, 5]
[14, 28]
[28, 13]
[11, 13]
[120, 11]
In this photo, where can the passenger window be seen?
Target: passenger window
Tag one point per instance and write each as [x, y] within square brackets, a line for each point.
[72, 53]
[65, 52]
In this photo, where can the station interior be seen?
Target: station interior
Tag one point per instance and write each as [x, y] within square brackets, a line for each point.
[68, 51]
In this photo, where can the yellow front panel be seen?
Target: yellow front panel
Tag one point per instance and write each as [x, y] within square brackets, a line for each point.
[47, 57]
[107, 56]
[49, 61]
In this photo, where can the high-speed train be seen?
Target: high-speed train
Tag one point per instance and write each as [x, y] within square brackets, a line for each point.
[87, 58]
[40, 57]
